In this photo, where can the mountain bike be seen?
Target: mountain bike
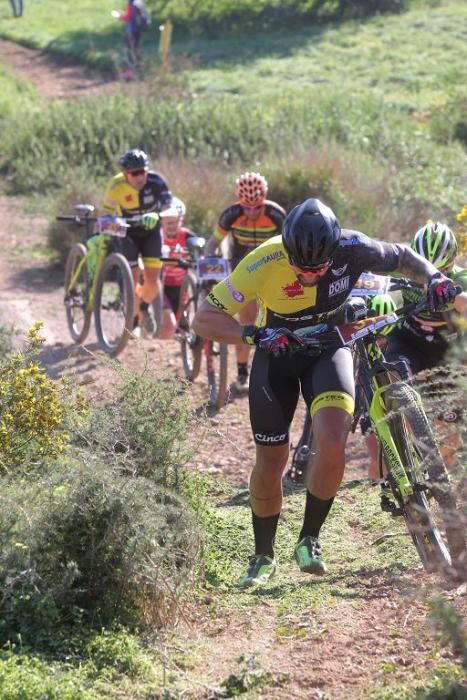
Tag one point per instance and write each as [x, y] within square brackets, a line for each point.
[98, 279]
[202, 274]
[416, 485]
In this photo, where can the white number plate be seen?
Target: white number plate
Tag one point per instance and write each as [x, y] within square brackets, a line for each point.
[212, 268]
[111, 226]
[369, 285]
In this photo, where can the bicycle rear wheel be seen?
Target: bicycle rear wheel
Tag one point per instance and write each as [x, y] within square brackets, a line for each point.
[114, 306]
[191, 345]
[217, 369]
[78, 316]
[431, 513]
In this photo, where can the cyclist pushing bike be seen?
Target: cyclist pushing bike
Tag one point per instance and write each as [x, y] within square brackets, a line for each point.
[302, 279]
[249, 222]
[427, 341]
[141, 193]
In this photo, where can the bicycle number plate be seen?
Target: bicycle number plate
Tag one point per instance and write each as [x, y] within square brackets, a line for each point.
[111, 226]
[212, 269]
[369, 285]
[353, 331]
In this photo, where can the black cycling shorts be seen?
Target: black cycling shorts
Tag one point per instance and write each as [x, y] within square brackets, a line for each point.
[172, 297]
[148, 244]
[276, 383]
[418, 353]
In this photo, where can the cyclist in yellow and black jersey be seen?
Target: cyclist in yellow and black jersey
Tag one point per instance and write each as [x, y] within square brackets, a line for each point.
[252, 220]
[142, 193]
[302, 278]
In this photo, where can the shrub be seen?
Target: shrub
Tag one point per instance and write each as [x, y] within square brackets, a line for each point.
[143, 429]
[32, 413]
[94, 545]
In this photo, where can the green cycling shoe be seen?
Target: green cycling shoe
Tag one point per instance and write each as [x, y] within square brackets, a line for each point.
[261, 569]
[308, 556]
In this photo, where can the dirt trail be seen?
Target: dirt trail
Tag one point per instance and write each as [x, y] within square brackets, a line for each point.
[52, 76]
[334, 652]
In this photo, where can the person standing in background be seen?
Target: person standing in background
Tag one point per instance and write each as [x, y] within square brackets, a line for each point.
[17, 7]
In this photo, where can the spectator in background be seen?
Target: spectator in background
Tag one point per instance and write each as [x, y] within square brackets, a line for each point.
[136, 18]
[17, 7]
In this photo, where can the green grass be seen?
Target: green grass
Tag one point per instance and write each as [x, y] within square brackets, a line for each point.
[398, 58]
[15, 94]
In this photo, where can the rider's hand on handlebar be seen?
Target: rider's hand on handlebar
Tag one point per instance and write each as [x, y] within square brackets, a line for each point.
[280, 342]
[441, 291]
[149, 220]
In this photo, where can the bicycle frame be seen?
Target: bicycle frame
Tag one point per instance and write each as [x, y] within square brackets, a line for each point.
[93, 269]
[375, 378]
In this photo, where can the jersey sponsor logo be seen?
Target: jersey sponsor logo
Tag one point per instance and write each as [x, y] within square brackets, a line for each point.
[339, 271]
[293, 290]
[266, 259]
[128, 197]
[216, 302]
[339, 286]
[270, 439]
[236, 294]
[148, 199]
[347, 242]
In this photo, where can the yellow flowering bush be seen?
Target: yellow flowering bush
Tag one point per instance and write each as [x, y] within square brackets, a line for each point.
[32, 414]
[461, 233]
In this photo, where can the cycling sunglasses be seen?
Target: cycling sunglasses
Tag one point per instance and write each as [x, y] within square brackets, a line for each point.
[311, 268]
[137, 173]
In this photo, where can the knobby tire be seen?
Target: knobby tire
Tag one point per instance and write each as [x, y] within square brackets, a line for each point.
[441, 545]
[115, 269]
[191, 345]
[217, 356]
[78, 316]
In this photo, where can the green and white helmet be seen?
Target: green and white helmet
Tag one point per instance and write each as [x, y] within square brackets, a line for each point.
[437, 243]
[383, 304]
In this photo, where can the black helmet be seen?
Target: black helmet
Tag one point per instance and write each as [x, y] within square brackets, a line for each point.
[311, 234]
[133, 159]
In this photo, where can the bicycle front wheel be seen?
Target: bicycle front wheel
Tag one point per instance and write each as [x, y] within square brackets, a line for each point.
[78, 316]
[114, 304]
[191, 345]
[431, 513]
[217, 369]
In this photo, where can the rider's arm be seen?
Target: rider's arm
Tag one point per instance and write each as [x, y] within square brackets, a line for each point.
[414, 266]
[211, 322]
[110, 203]
[212, 245]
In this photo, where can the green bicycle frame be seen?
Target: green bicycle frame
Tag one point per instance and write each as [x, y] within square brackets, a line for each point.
[94, 265]
[378, 415]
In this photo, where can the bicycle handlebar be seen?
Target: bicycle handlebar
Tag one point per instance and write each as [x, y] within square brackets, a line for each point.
[321, 336]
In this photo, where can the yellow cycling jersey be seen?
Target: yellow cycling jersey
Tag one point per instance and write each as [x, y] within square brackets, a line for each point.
[266, 275]
[123, 199]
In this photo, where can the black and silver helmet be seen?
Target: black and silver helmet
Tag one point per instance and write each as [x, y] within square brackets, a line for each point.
[134, 159]
[311, 234]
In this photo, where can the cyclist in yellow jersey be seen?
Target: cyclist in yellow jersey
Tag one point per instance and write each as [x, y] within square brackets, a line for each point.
[248, 223]
[300, 279]
[142, 193]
